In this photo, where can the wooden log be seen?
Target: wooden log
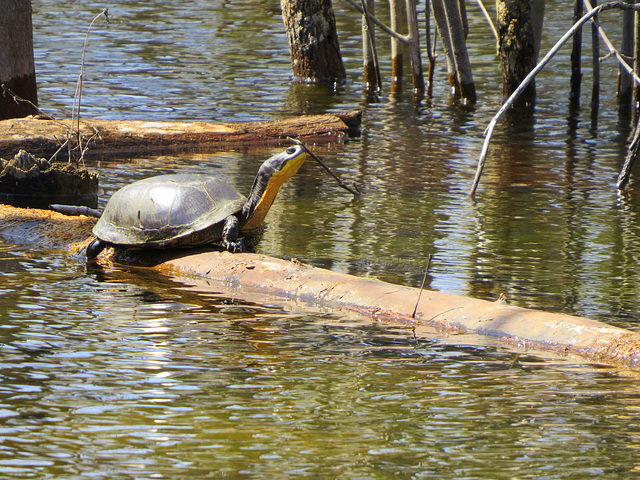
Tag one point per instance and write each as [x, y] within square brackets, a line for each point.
[44, 137]
[518, 328]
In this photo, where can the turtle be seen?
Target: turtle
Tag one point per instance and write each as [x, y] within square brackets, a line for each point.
[191, 210]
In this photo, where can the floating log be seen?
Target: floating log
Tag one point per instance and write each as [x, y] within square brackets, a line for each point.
[45, 136]
[521, 329]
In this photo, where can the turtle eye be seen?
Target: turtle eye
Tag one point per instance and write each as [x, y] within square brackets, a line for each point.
[290, 150]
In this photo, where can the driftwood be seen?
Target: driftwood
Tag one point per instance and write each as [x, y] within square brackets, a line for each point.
[44, 137]
[518, 328]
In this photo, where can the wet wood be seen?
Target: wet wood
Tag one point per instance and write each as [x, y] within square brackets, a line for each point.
[313, 41]
[44, 137]
[522, 330]
[18, 89]
[519, 25]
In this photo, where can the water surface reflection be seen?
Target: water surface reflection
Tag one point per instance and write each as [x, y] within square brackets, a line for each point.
[124, 374]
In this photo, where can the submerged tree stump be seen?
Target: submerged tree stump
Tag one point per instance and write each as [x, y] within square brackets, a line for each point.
[313, 41]
[17, 70]
[519, 28]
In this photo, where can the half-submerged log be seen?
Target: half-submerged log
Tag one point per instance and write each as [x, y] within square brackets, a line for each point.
[518, 328]
[44, 137]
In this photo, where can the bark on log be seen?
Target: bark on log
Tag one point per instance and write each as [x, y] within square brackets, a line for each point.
[17, 70]
[313, 41]
[519, 31]
[518, 328]
[44, 137]
[451, 20]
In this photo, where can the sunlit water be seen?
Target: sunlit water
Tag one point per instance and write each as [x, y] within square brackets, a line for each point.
[122, 373]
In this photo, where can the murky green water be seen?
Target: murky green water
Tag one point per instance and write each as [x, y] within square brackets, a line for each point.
[125, 374]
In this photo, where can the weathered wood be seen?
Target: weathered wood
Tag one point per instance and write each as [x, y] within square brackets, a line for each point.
[397, 47]
[17, 70]
[313, 41]
[372, 81]
[413, 33]
[576, 54]
[451, 20]
[625, 81]
[519, 28]
[43, 137]
[518, 328]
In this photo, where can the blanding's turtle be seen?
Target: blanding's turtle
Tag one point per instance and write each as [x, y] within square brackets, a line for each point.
[190, 210]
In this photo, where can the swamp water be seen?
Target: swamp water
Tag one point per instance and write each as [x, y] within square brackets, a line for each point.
[121, 373]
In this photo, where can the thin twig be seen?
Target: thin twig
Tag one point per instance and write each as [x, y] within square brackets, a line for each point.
[75, 114]
[607, 42]
[403, 38]
[424, 279]
[18, 99]
[355, 190]
[529, 78]
[488, 18]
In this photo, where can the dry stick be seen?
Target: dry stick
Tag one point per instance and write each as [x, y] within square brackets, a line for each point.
[592, 12]
[576, 55]
[372, 45]
[406, 39]
[612, 50]
[424, 279]
[632, 152]
[431, 49]
[595, 86]
[75, 113]
[488, 18]
[17, 99]
[355, 190]
[411, 39]
[414, 50]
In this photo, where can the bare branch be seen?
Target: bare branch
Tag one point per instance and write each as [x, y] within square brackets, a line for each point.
[402, 38]
[488, 17]
[529, 78]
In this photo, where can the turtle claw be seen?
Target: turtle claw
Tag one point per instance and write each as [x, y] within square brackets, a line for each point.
[235, 247]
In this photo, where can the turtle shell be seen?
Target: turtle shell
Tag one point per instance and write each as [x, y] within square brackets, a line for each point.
[169, 210]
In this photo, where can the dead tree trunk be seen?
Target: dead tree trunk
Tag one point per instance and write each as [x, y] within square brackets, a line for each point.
[313, 41]
[636, 60]
[372, 83]
[452, 25]
[414, 49]
[625, 82]
[519, 28]
[397, 48]
[576, 53]
[595, 62]
[17, 70]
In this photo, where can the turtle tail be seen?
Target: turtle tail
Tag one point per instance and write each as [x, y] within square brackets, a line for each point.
[94, 248]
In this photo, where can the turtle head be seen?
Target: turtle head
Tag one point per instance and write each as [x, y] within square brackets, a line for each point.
[271, 175]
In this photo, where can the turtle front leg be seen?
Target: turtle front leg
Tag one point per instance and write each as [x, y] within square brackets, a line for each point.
[230, 233]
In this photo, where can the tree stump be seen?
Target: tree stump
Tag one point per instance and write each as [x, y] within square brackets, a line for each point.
[17, 71]
[313, 41]
[519, 31]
